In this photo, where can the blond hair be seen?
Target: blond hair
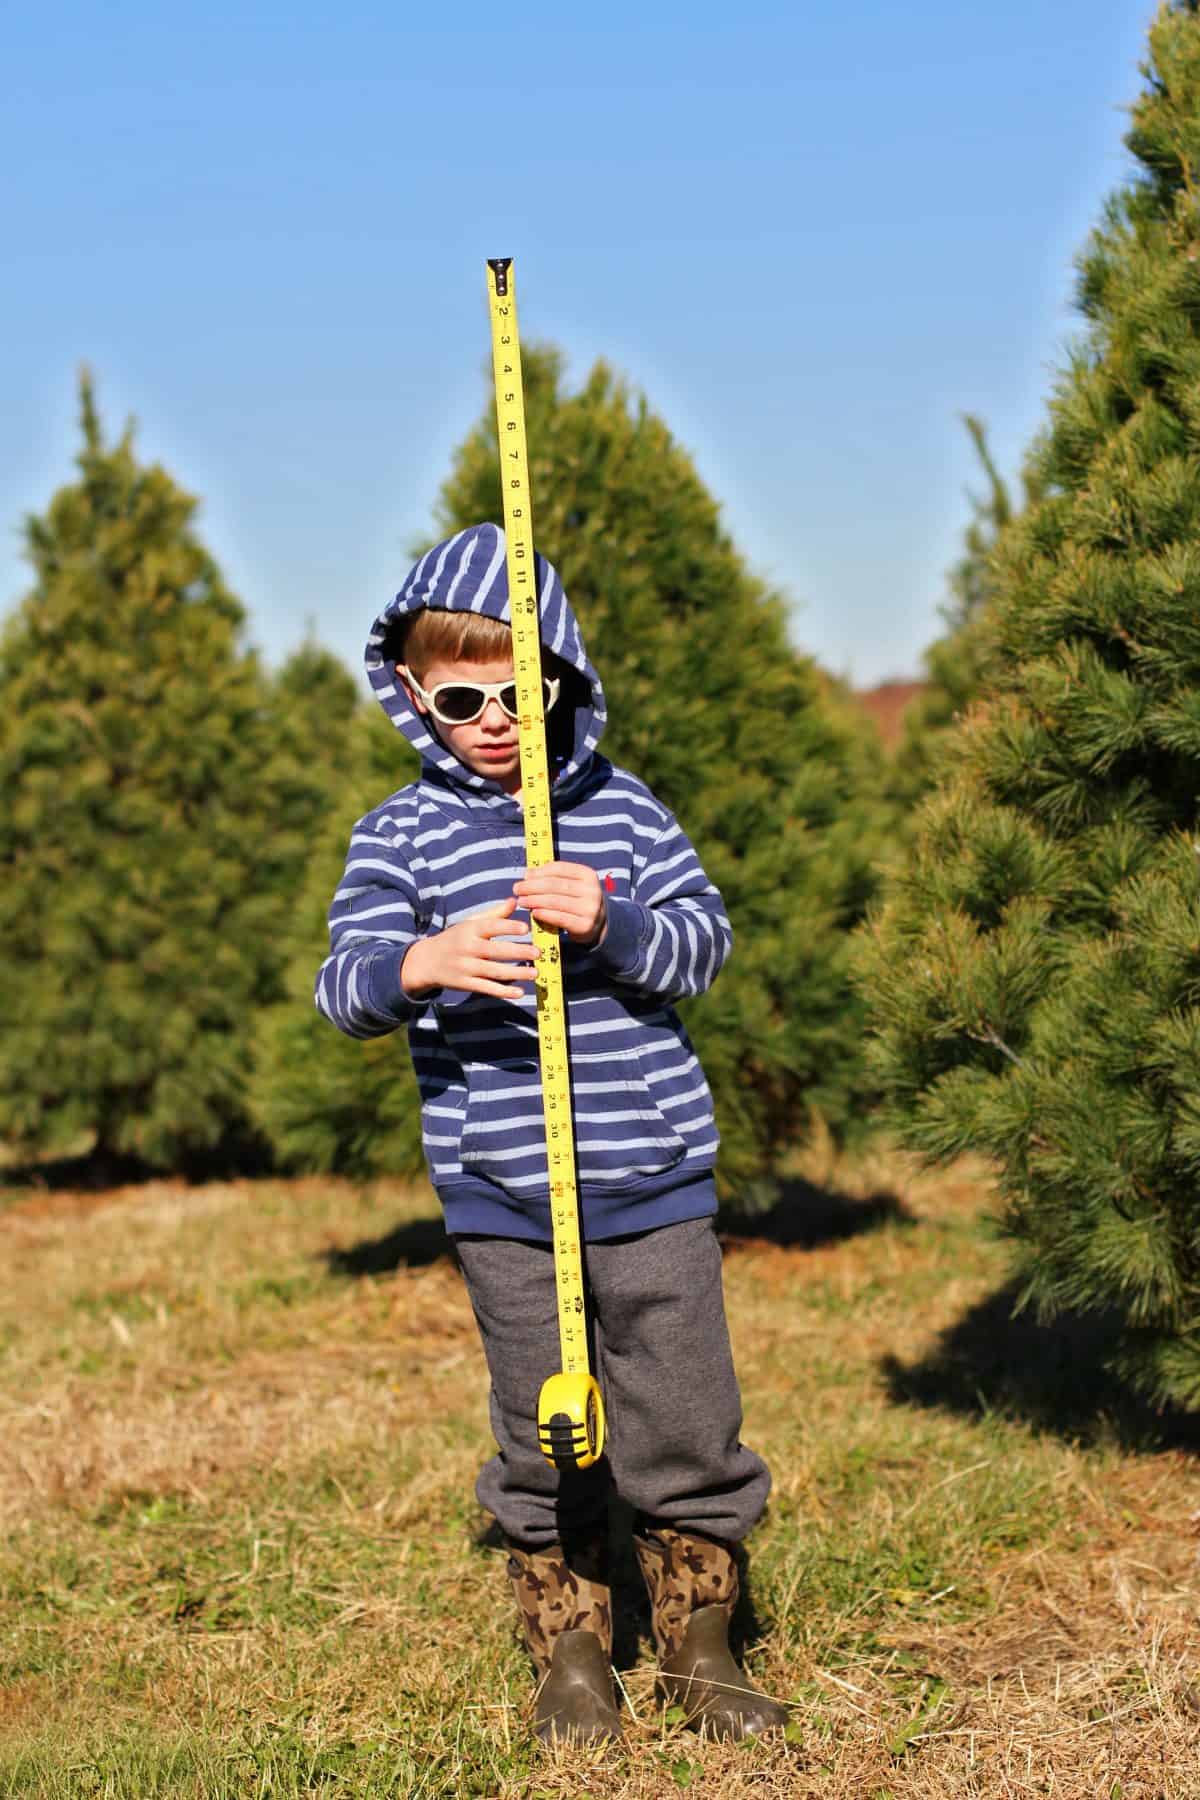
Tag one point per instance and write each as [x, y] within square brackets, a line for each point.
[436, 635]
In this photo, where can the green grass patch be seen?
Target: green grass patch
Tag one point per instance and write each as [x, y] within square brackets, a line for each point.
[241, 1553]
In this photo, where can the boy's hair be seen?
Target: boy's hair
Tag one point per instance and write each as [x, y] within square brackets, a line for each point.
[436, 635]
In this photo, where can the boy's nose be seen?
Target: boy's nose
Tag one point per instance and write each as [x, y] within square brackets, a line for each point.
[493, 713]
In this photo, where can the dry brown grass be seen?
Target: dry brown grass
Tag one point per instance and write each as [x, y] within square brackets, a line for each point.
[236, 1499]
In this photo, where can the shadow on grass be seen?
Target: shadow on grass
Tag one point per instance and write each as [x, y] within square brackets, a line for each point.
[411, 1246]
[806, 1216]
[85, 1174]
[803, 1217]
[1054, 1377]
[93, 1171]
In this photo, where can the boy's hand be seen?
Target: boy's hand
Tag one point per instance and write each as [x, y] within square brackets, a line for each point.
[470, 956]
[568, 897]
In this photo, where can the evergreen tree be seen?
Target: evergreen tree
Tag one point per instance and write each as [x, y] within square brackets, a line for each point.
[766, 764]
[151, 830]
[955, 668]
[764, 759]
[1036, 970]
[328, 1103]
[317, 707]
[317, 699]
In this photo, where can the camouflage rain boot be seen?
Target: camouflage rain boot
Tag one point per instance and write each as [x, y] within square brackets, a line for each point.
[693, 1587]
[566, 1615]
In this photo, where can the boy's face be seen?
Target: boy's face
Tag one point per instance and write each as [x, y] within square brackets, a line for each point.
[487, 745]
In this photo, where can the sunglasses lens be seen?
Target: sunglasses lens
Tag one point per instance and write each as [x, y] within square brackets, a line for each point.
[459, 703]
[510, 703]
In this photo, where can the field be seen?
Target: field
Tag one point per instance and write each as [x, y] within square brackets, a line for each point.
[241, 1554]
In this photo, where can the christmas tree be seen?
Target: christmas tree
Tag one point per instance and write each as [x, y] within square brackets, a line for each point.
[955, 666]
[766, 763]
[317, 700]
[325, 1102]
[151, 831]
[1035, 973]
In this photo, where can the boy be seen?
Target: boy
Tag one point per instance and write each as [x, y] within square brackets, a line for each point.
[425, 932]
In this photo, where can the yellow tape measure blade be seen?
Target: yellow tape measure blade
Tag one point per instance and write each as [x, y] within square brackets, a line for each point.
[570, 1411]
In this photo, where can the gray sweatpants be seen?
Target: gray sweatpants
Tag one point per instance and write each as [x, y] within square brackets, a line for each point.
[661, 1353]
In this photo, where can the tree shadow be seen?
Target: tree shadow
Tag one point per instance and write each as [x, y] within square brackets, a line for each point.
[1056, 1377]
[92, 1171]
[413, 1245]
[804, 1216]
[87, 1173]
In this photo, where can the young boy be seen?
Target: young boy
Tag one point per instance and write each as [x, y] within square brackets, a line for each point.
[425, 932]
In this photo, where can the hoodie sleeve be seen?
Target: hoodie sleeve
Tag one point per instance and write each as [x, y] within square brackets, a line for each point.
[372, 923]
[672, 935]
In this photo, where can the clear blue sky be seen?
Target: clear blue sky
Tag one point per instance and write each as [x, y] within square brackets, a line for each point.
[812, 234]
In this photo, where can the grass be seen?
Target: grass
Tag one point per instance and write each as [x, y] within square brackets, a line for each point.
[241, 1555]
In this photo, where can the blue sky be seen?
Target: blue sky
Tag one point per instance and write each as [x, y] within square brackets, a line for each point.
[812, 234]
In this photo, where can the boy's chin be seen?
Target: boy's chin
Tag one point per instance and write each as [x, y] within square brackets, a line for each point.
[497, 765]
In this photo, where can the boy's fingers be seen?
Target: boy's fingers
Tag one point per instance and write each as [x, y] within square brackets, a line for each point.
[497, 991]
[549, 884]
[521, 953]
[503, 910]
[510, 984]
[553, 888]
[501, 950]
[560, 902]
[493, 950]
[563, 921]
[501, 923]
[572, 873]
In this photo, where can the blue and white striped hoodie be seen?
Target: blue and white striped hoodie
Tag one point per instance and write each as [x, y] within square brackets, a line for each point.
[451, 844]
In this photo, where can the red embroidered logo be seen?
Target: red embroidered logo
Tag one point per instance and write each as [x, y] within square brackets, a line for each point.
[609, 884]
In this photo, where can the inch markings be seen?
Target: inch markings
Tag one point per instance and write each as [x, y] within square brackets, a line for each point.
[535, 801]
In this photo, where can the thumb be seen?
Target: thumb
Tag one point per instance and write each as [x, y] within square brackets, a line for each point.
[505, 909]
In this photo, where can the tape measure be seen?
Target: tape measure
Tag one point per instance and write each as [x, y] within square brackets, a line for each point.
[570, 1410]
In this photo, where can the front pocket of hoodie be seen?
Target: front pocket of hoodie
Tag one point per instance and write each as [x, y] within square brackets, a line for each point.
[621, 1135]
[503, 1137]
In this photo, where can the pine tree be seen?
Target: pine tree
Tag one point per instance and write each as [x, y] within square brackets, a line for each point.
[765, 762]
[317, 699]
[955, 667]
[764, 759]
[327, 1103]
[316, 705]
[1036, 971]
[150, 828]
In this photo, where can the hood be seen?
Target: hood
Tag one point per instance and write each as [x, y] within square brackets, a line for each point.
[468, 573]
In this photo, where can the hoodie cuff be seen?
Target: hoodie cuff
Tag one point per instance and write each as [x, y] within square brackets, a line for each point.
[628, 928]
[385, 995]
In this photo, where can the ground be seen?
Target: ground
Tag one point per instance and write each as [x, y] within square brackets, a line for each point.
[241, 1554]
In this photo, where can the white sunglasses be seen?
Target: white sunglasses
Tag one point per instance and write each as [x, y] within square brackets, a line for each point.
[459, 702]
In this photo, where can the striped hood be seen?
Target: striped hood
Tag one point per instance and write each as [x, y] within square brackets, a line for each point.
[468, 573]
